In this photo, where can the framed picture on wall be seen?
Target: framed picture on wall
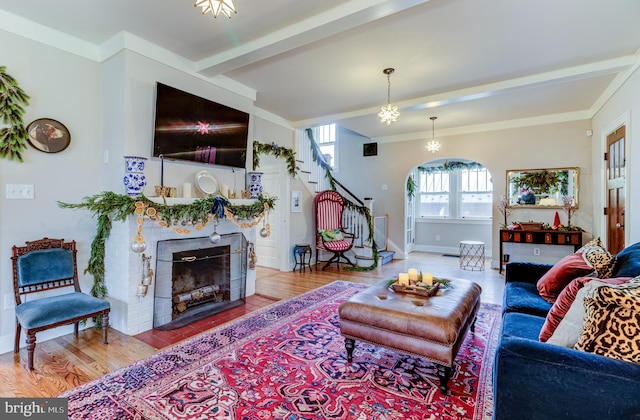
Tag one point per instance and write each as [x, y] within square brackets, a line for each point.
[296, 202]
[49, 136]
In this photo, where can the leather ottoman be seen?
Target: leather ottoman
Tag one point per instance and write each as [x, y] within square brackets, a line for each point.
[430, 327]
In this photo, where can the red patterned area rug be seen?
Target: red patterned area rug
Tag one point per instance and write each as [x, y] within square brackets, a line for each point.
[287, 361]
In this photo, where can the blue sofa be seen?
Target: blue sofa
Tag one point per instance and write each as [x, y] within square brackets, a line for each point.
[537, 380]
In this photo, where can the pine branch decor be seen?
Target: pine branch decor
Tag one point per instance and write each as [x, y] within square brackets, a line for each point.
[277, 151]
[13, 139]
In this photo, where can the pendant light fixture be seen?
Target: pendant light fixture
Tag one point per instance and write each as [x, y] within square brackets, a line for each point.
[388, 113]
[434, 145]
[216, 6]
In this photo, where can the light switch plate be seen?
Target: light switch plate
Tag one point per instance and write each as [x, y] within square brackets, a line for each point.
[20, 191]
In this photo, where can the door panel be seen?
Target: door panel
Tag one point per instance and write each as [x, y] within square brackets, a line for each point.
[616, 194]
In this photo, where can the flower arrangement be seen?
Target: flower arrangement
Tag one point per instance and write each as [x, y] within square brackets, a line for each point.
[504, 209]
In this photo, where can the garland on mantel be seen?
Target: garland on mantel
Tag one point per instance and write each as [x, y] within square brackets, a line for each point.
[109, 207]
[13, 139]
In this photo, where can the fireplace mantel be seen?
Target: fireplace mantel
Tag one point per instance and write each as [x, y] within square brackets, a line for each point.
[130, 313]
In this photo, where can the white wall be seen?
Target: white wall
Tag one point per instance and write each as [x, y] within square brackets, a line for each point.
[622, 108]
[66, 88]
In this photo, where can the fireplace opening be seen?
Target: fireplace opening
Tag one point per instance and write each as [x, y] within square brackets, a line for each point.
[196, 279]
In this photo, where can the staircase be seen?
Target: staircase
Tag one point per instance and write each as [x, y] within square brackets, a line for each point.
[353, 221]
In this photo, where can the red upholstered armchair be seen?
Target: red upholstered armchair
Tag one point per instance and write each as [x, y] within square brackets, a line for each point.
[330, 235]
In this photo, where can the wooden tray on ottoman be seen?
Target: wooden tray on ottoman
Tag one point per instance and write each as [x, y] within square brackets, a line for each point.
[415, 290]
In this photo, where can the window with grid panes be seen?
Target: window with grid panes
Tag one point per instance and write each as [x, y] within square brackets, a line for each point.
[461, 193]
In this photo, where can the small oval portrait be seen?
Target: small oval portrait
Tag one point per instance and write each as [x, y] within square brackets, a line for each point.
[49, 136]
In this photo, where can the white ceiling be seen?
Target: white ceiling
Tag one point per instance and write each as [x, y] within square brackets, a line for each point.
[474, 64]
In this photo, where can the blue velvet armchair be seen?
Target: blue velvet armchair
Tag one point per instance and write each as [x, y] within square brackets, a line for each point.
[41, 266]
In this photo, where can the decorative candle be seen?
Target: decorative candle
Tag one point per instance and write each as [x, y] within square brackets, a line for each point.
[427, 278]
[162, 170]
[413, 274]
[186, 190]
[403, 279]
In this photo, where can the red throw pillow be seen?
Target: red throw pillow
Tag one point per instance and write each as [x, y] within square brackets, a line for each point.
[570, 267]
[565, 299]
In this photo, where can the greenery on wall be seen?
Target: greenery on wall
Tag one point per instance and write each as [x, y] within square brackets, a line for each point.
[279, 152]
[109, 207]
[13, 138]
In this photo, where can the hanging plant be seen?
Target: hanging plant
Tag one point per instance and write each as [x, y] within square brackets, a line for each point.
[13, 139]
[411, 187]
[277, 151]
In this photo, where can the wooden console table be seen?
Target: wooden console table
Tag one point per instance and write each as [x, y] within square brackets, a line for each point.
[542, 237]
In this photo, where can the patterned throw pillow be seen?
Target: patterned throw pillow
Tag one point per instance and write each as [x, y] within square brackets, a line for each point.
[332, 235]
[612, 322]
[565, 301]
[601, 259]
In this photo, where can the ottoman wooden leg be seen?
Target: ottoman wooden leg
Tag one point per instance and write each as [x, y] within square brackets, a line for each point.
[444, 373]
[349, 344]
[473, 324]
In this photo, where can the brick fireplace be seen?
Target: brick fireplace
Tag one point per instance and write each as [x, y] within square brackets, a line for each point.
[130, 313]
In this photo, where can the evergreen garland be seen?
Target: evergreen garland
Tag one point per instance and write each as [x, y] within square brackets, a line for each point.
[450, 166]
[277, 151]
[109, 206]
[13, 139]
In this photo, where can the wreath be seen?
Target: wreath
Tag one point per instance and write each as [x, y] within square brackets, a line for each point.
[13, 139]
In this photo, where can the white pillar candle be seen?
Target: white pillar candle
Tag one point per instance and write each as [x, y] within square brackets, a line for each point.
[427, 278]
[413, 274]
[186, 190]
[225, 191]
[403, 279]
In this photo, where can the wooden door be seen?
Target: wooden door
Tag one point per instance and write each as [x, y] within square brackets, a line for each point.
[615, 162]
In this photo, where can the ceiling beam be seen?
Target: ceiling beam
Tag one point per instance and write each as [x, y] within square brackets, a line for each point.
[492, 89]
[347, 16]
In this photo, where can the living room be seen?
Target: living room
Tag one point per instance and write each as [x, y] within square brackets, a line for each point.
[104, 94]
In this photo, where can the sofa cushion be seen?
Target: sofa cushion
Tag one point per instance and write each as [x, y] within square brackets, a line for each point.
[628, 262]
[565, 300]
[600, 259]
[612, 322]
[562, 273]
[569, 329]
[521, 325]
[523, 297]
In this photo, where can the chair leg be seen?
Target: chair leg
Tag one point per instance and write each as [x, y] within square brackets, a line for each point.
[31, 347]
[16, 344]
[75, 328]
[105, 324]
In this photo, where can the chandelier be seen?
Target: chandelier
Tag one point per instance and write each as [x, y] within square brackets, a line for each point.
[434, 145]
[388, 113]
[216, 6]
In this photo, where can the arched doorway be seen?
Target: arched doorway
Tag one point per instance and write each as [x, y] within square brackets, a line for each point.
[452, 202]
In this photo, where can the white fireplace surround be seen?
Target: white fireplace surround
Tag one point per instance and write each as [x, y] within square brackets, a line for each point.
[130, 313]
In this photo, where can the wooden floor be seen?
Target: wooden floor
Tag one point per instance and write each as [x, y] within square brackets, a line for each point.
[64, 363]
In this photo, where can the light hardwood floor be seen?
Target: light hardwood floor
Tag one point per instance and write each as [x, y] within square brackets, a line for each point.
[64, 363]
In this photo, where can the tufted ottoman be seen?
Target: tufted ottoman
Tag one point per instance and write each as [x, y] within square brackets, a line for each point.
[433, 327]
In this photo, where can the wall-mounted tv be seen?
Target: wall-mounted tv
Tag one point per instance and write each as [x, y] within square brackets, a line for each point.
[191, 128]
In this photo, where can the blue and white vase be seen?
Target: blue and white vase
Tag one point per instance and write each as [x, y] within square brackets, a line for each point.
[134, 179]
[254, 179]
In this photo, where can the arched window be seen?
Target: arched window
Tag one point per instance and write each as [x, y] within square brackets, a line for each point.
[454, 189]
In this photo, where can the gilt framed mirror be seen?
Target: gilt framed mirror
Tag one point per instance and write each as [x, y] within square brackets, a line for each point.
[542, 188]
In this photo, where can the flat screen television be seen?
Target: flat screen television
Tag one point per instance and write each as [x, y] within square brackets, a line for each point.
[191, 128]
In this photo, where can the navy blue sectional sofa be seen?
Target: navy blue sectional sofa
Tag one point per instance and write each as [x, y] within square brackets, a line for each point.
[538, 380]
